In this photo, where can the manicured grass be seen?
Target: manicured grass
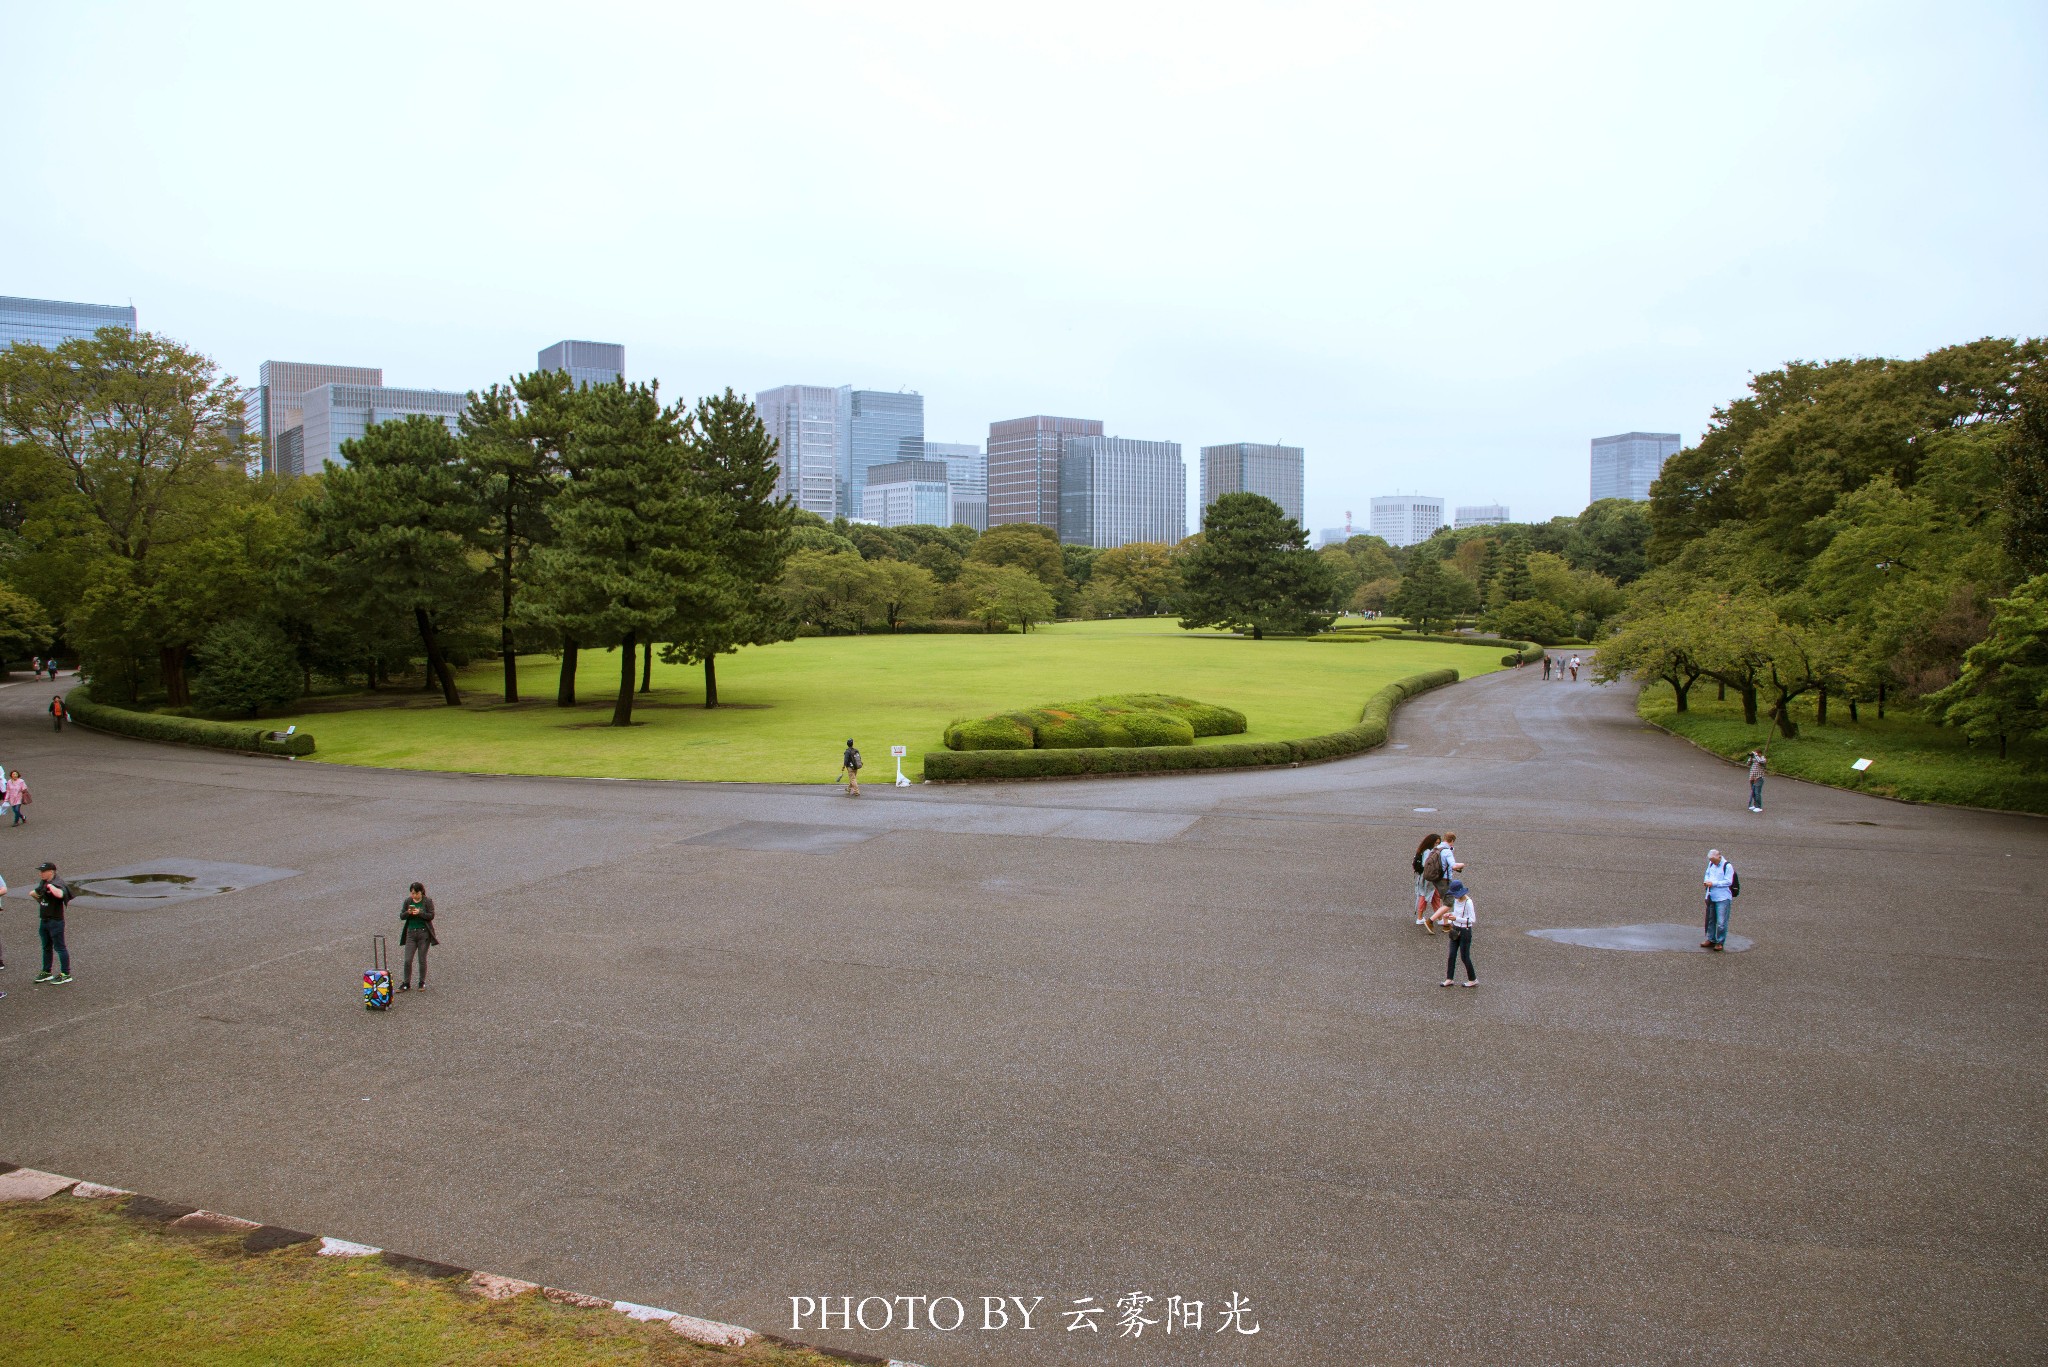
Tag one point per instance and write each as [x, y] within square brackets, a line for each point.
[786, 710]
[87, 1285]
[1911, 758]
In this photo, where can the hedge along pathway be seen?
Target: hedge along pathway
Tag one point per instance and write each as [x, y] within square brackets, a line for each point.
[965, 766]
[214, 735]
[31, 1184]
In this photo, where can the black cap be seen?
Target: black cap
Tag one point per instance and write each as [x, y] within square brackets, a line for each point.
[46, 864]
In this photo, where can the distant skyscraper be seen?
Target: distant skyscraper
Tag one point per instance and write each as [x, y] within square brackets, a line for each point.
[588, 363]
[1024, 467]
[1245, 467]
[1404, 519]
[1115, 490]
[1481, 515]
[1624, 466]
[967, 475]
[883, 427]
[1337, 536]
[276, 407]
[46, 322]
[902, 493]
[810, 425]
[337, 413]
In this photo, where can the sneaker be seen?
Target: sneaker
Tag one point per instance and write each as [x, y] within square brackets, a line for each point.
[1473, 983]
[1449, 981]
[405, 987]
[423, 987]
[61, 978]
[44, 977]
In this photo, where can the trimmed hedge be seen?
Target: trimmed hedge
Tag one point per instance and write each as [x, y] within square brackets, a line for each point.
[1115, 721]
[217, 735]
[950, 766]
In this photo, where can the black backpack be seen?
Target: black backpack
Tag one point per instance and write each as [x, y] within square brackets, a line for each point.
[1418, 858]
[1734, 882]
[853, 759]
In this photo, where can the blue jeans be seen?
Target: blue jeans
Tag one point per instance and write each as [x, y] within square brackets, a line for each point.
[1756, 792]
[1717, 919]
[53, 938]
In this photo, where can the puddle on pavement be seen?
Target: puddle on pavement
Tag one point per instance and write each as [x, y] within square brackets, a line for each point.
[1675, 938]
[164, 881]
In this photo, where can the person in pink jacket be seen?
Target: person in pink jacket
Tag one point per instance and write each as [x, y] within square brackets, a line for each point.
[17, 795]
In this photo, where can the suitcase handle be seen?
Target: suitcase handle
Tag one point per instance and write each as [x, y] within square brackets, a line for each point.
[378, 959]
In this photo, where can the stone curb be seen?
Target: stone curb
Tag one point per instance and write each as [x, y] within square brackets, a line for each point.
[32, 1184]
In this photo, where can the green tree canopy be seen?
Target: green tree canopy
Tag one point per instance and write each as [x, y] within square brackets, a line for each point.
[1252, 571]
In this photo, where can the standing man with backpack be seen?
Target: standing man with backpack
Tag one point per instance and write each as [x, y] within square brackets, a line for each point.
[849, 765]
[1722, 887]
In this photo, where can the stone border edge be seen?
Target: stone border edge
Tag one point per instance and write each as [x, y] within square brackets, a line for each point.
[19, 1184]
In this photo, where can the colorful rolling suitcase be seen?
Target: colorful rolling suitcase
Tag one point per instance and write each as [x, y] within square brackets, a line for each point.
[377, 978]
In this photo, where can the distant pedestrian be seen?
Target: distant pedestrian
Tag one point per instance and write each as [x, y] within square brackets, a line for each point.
[51, 898]
[3, 909]
[35, 666]
[16, 793]
[416, 933]
[1425, 892]
[1722, 886]
[849, 768]
[57, 709]
[1756, 780]
[1443, 870]
[1546, 666]
[1575, 669]
[52, 664]
[1462, 919]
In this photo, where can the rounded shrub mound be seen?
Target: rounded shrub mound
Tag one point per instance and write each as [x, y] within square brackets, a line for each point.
[1119, 720]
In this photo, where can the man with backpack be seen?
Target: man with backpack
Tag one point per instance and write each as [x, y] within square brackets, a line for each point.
[1439, 866]
[1723, 887]
[849, 765]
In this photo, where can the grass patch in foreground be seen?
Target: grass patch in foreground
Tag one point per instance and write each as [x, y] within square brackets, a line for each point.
[1911, 758]
[786, 709]
[87, 1285]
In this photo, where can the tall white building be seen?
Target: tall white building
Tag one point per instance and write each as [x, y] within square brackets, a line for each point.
[966, 478]
[1116, 490]
[903, 493]
[587, 363]
[1247, 467]
[337, 413]
[1480, 515]
[1625, 465]
[812, 427]
[276, 408]
[1405, 519]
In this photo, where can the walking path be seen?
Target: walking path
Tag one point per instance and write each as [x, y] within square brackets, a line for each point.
[713, 1047]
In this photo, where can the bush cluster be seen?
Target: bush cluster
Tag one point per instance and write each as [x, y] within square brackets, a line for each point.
[943, 766]
[181, 730]
[1114, 721]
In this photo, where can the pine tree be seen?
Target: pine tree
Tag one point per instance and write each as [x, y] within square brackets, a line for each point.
[512, 468]
[1252, 570]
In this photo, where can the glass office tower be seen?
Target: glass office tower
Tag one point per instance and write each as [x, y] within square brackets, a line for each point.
[967, 477]
[276, 407]
[1024, 467]
[810, 424]
[1116, 490]
[337, 413]
[901, 493]
[1626, 465]
[46, 322]
[1247, 467]
[1480, 515]
[883, 428]
[588, 363]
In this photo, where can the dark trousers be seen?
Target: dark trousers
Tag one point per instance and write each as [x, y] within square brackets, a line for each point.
[1756, 792]
[59, 721]
[1461, 947]
[415, 940]
[53, 938]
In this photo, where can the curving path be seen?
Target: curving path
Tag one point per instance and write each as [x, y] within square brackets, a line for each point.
[713, 1047]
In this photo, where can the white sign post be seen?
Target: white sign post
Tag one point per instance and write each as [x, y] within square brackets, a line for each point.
[1860, 765]
[899, 751]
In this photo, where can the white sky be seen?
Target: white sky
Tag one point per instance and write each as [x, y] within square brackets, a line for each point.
[1441, 246]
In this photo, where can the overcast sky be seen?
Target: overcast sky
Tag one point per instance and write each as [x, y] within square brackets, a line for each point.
[1440, 246]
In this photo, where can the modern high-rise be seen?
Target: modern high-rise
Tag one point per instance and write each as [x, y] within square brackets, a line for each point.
[901, 493]
[588, 363]
[337, 413]
[967, 477]
[882, 428]
[810, 425]
[46, 322]
[1480, 515]
[1405, 519]
[1024, 467]
[1626, 465]
[1246, 467]
[275, 407]
[1116, 490]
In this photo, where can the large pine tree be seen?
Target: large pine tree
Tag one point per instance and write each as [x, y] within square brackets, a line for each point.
[1252, 571]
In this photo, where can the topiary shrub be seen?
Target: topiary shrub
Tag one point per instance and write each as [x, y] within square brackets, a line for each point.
[989, 733]
[1115, 721]
[1158, 728]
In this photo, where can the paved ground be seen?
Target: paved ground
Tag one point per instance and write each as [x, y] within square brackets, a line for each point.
[711, 1048]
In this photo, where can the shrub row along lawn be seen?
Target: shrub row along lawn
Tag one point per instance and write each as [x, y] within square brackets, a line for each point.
[787, 709]
[1910, 758]
[87, 1285]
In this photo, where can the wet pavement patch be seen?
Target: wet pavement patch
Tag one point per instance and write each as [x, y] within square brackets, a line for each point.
[786, 837]
[1668, 937]
[163, 881]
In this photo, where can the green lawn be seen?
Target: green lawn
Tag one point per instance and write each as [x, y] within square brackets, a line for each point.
[785, 710]
[87, 1285]
[1910, 758]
